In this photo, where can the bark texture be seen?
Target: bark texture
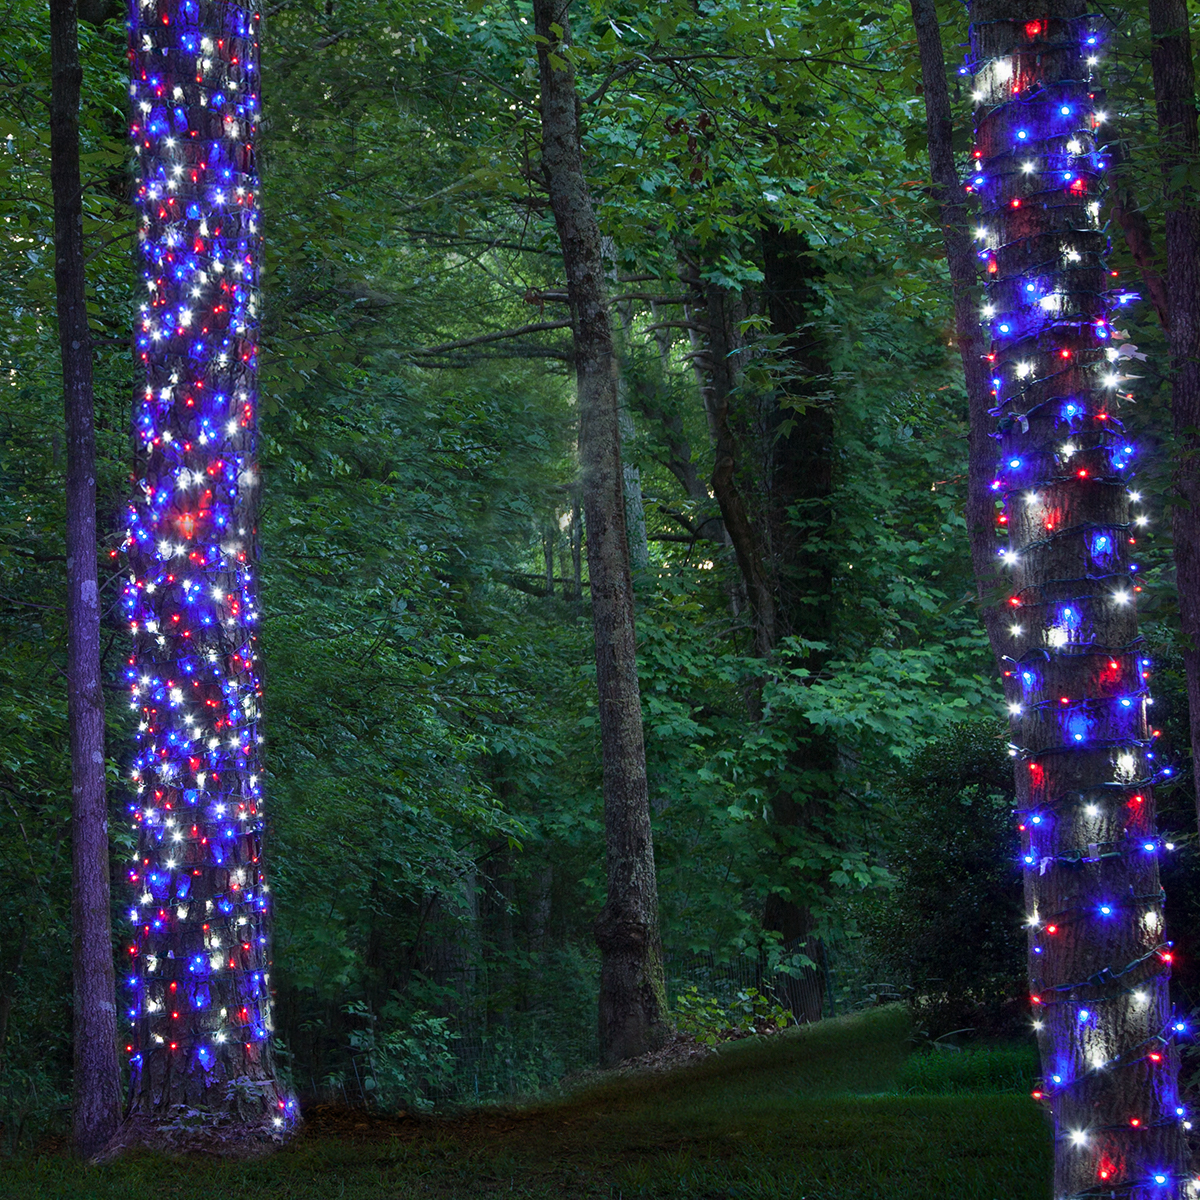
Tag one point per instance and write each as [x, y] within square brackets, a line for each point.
[1074, 668]
[960, 258]
[773, 479]
[632, 991]
[1175, 99]
[716, 342]
[96, 1100]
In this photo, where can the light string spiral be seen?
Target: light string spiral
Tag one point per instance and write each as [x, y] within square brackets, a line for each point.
[199, 956]
[1076, 675]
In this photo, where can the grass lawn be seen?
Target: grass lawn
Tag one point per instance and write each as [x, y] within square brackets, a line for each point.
[833, 1112]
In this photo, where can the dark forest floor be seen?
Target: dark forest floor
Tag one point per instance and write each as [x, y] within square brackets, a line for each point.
[818, 1114]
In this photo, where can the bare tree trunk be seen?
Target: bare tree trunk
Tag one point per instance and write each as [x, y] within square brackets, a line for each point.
[1073, 668]
[716, 372]
[1136, 227]
[1175, 97]
[632, 990]
[548, 537]
[576, 547]
[964, 284]
[96, 1107]
[635, 506]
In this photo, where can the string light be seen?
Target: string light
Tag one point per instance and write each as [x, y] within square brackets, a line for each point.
[200, 1003]
[1075, 684]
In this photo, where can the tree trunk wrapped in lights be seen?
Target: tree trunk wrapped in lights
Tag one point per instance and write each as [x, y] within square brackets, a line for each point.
[1075, 670]
[199, 977]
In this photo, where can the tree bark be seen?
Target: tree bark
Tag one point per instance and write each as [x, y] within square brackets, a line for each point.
[632, 992]
[716, 371]
[1175, 99]
[1136, 227]
[1073, 665]
[200, 951]
[96, 1102]
[960, 258]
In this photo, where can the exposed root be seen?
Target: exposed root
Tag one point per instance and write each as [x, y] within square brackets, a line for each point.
[189, 1131]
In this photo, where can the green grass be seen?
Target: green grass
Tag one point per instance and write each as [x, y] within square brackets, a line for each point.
[826, 1113]
[983, 1069]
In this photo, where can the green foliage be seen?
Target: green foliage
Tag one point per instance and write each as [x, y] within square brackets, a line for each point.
[408, 1053]
[948, 931]
[436, 824]
[711, 1021]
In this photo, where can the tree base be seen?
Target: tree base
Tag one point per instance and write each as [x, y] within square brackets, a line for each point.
[190, 1131]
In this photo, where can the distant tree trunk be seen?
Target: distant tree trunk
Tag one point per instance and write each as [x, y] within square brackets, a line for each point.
[635, 506]
[548, 539]
[632, 990]
[713, 352]
[97, 1106]
[964, 283]
[1072, 660]
[200, 950]
[1175, 98]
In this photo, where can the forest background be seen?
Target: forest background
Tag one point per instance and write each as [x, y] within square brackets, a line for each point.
[830, 789]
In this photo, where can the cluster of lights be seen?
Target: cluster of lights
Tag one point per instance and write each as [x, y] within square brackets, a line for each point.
[199, 984]
[1075, 676]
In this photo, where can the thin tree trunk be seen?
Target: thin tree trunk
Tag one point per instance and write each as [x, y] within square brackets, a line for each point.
[1074, 677]
[960, 257]
[96, 1106]
[548, 535]
[635, 505]
[1136, 227]
[1175, 99]
[576, 547]
[632, 991]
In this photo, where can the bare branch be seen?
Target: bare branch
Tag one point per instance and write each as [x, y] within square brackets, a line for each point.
[483, 338]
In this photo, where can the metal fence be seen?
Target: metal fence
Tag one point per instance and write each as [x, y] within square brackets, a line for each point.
[814, 979]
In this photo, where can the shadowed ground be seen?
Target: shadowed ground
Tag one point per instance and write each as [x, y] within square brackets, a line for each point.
[834, 1112]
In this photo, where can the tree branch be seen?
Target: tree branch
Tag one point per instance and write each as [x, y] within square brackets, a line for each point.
[483, 338]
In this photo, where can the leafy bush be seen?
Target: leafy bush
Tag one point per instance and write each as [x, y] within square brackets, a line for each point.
[949, 932]
[710, 1021]
[408, 1058]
